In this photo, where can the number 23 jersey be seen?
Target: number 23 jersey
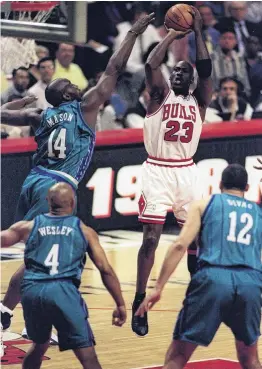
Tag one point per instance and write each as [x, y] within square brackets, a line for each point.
[65, 142]
[174, 130]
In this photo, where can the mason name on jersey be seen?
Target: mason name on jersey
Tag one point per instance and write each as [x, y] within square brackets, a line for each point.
[51, 230]
[177, 110]
[58, 118]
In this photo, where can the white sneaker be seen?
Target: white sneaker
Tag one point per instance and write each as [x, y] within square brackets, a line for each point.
[53, 339]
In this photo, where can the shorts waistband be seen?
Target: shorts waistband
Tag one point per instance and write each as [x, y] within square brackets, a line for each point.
[170, 163]
[56, 175]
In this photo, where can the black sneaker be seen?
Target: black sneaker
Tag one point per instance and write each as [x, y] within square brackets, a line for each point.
[5, 318]
[139, 325]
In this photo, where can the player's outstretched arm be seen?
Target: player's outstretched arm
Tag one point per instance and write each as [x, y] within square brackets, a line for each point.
[109, 278]
[19, 104]
[203, 91]
[174, 256]
[16, 233]
[155, 81]
[13, 116]
[102, 91]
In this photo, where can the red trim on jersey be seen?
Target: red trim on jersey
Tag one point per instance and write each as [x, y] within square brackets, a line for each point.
[153, 216]
[192, 252]
[170, 160]
[142, 220]
[171, 166]
[161, 106]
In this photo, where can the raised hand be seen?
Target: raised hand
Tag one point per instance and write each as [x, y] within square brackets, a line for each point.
[141, 25]
[178, 34]
[119, 316]
[29, 99]
[197, 19]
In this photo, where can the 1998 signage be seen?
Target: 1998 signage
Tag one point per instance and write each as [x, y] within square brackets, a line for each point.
[109, 193]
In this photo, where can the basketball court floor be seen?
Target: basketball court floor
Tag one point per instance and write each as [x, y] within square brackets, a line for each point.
[119, 348]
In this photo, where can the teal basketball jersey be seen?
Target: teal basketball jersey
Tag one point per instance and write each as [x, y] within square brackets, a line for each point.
[231, 233]
[55, 249]
[65, 143]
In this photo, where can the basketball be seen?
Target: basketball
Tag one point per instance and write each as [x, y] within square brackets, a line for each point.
[179, 18]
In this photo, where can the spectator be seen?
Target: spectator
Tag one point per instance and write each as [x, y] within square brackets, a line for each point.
[253, 50]
[18, 89]
[237, 24]
[226, 62]
[255, 74]
[106, 119]
[217, 7]
[46, 67]
[135, 116]
[254, 11]
[228, 105]
[41, 52]
[211, 35]
[65, 68]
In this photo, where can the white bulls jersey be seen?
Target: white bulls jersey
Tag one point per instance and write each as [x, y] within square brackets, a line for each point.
[174, 130]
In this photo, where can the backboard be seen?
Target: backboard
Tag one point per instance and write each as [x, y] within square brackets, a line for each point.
[67, 22]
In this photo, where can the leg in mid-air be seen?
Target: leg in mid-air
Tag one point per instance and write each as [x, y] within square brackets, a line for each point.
[248, 356]
[145, 262]
[178, 354]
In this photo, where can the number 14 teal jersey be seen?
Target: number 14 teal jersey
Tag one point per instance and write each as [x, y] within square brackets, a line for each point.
[65, 142]
[231, 233]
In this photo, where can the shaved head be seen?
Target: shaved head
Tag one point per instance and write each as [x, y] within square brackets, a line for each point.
[54, 91]
[61, 90]
[61, 199]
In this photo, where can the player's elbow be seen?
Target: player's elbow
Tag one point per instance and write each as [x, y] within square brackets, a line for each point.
[103, 267]
[181, 245]
[4, 240]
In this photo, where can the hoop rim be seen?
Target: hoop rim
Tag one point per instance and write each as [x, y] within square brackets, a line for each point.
[32, 6]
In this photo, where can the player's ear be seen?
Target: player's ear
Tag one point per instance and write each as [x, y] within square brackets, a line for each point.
[247, 188]
[66, 96]
[221, 186]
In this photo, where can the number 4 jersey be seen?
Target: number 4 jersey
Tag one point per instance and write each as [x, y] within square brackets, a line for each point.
[65, 142]
[55, 249]
[231, 233]
[173, 131]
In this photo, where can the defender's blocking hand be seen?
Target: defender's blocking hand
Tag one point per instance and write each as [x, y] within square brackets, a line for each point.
[141, 25]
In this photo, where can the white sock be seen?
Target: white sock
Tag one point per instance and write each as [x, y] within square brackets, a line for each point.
[5, 309]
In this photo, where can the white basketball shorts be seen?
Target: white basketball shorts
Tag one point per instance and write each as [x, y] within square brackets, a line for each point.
[167, 185]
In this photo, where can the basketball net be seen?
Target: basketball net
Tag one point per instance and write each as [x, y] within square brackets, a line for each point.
[21, 52]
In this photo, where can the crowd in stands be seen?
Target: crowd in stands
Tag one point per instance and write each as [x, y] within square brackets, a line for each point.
[233, 35]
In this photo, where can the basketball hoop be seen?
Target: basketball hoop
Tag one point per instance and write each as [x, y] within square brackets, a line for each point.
[20, 52]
